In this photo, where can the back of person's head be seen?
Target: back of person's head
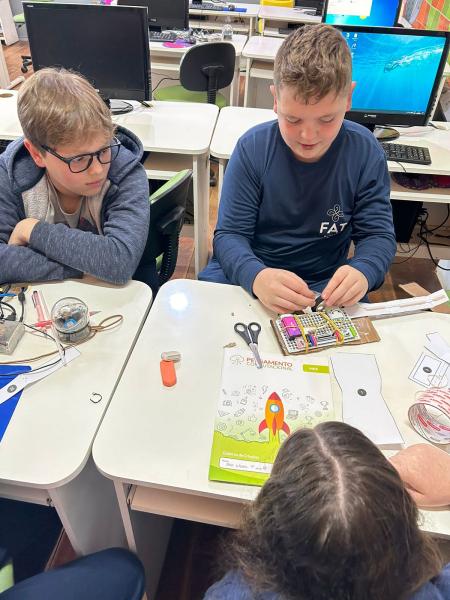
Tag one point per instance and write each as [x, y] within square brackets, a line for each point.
[334, 521]
[314, 61]
[58, 107]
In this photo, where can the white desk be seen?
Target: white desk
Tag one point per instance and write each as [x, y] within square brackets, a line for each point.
[279, 15]
[259, 52]
[168, 60]
[177, 134]
[159, 439]
[8, 32]
[216, 19]
[233, 122]
[45, 452]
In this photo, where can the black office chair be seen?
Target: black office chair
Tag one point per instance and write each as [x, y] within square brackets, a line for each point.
[204, 68]
[167, 206]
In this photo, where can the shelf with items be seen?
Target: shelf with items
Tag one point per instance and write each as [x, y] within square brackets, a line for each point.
[434, 194]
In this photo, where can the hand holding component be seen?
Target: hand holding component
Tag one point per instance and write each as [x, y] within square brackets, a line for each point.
[347, 286]
[282, 291]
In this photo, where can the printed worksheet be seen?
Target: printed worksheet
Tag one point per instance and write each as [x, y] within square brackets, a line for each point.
[258, 408]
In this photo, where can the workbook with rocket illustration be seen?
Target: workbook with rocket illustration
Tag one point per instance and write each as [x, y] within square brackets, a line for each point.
[258, 408]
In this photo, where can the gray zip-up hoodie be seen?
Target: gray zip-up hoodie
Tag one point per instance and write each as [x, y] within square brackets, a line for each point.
[56, 251]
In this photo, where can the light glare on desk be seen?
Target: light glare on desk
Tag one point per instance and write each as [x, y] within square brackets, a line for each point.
[178, 301]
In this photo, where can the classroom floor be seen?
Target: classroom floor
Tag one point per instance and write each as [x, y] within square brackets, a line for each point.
[191, 563]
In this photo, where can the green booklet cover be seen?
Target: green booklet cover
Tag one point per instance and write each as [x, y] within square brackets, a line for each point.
[258, 408]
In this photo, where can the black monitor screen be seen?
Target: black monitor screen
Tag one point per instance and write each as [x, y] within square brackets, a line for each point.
[163, 14]
[397, 73]
[107, 44]
[368, 13]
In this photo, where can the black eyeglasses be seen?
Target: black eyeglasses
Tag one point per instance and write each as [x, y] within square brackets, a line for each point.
[82, 162]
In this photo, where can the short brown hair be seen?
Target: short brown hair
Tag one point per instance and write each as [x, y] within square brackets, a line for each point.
[57, 107]
[314, 60]
[334, 520]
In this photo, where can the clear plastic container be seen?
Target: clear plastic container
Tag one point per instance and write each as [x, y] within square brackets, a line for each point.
[227, 31]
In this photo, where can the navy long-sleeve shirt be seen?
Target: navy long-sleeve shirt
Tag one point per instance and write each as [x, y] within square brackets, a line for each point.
[276, 211]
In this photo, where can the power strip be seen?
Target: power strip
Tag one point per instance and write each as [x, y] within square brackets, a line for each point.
[10, 334]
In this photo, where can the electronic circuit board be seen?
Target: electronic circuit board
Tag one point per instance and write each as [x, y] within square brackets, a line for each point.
[315, 330]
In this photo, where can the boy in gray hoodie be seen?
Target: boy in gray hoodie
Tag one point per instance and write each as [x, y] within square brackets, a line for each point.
[73, 194]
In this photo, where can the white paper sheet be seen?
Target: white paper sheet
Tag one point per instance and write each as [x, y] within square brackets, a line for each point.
[363, 406]
[397, 307]
[438, 346]
[429, 371]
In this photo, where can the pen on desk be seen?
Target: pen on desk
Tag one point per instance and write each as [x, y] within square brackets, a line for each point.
[38, 305]
[49, 322]
[45, 315]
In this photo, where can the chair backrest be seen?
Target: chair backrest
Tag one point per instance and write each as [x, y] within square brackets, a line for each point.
[167, 206]
[208, 67]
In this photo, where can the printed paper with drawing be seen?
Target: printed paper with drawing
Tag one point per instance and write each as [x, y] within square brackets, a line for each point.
[258, 408]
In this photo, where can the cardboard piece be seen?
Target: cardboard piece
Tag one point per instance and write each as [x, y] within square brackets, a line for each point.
[364, 326]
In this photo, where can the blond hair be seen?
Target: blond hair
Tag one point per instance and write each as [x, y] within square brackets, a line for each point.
[314, 61]
[57, 107]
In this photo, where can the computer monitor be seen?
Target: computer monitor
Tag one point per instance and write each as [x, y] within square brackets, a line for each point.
[368, 13]
[163, 14]
[397, 73]
[107, 44]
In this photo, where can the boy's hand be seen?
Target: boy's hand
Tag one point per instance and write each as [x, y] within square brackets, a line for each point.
[21, 233]
[346, 287]
[282, 291]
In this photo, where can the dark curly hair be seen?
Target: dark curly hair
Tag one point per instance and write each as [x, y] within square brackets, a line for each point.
[334, 521]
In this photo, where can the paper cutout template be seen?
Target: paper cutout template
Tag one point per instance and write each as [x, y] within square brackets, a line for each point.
[363, 405]
[429, 371]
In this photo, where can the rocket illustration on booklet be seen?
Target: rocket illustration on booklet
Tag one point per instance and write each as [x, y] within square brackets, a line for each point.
[274, 417]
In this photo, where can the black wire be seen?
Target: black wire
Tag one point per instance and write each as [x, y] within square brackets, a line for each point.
[21, 297]
[33, 370]
[423, 232]
[12, 316]
[164, 79]
[441, 224]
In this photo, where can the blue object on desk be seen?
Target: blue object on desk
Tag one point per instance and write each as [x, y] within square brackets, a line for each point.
[7, 408]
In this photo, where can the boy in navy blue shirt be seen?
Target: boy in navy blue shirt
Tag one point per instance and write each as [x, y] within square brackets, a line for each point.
[299, 190]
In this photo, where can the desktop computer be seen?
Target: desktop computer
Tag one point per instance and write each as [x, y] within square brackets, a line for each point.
[163, 15]
[369, 13]
[397, 73]
[107, 44]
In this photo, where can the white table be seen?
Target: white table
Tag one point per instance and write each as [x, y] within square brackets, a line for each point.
[259, 52]
[45, 454]
[280, 14]
[159, 439]
[177, 134]
[8, 32]
[233, 122]
[216, 19]
[168, 60]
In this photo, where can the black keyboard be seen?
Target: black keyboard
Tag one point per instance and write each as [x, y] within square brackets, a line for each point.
[208, 6]
[162, 36]
[408, 154]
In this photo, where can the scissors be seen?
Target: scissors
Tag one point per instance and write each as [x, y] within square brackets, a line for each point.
[249, 333]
